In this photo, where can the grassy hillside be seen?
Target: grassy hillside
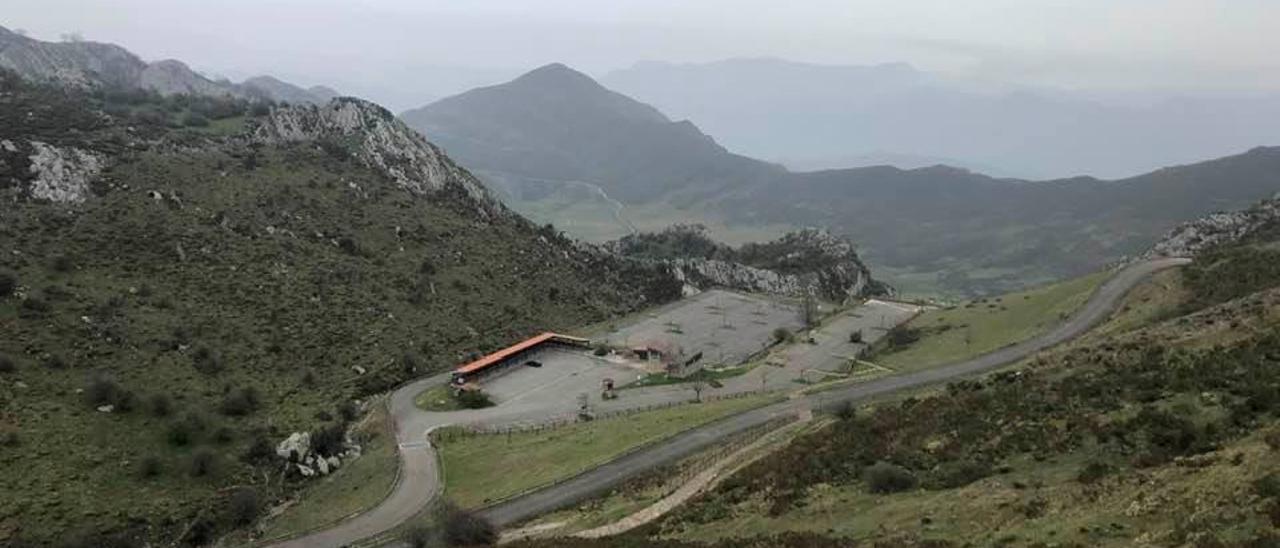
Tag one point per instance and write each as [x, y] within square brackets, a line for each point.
[979, 326]
[219, 293]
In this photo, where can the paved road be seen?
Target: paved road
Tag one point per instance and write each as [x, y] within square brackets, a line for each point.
[418, 482]
[601, 479]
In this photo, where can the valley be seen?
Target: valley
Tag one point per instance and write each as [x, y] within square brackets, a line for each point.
[543, 313]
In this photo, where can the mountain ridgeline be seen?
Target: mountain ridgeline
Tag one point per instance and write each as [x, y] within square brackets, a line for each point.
[939, 227]
[108, 66]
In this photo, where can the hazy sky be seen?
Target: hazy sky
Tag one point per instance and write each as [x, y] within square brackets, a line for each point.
[394, 50]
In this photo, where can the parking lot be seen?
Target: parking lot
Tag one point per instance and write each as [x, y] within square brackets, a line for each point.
[726, 327]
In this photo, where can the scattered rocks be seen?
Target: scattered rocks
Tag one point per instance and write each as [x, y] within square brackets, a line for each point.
[62, 174]
[296, 447]
[1188, 239]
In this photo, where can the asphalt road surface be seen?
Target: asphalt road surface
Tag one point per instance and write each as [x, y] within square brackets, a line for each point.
[599, 480]
[419, 479]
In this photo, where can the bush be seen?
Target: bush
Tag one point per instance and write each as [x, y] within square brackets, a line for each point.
[8, 284]
[1093, 471]
[101, 390]
[601, 350]
[7, 365]
[463, 528]
[62, 264]
[418, 536]
[161, 405]
[33, 307]
[884, 477]
[10, 439]
[207, 361]
[782, 335]
[55, 361]
[474, 399]
[245, 505]
[240, 402]
[903, 336]
[855, 337]
[203, 463]
[348, 411]
[951, 475]
[149, 467]
[1272, 437]
[328, 440]
[259, 451]
[1268, 486]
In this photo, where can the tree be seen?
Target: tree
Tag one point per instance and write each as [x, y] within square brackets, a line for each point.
[245, 505]
[809, 310]
[782, 334]
[856, 337]
[699, 386]
[883, 477]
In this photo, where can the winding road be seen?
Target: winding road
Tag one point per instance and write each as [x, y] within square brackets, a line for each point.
[418, 482]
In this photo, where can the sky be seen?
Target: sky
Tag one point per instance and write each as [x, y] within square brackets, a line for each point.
[406, 53]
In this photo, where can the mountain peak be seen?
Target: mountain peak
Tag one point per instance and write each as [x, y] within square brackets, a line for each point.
[559, 76]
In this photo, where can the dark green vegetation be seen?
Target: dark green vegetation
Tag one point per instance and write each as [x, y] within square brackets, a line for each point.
[218, 293]
[930, 229]
[784, 540]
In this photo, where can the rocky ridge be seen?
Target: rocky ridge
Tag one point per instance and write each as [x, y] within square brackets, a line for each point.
[378, 139]
[1190, 238]
[85, 64]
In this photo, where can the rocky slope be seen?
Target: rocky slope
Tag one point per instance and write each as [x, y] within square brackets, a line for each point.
[178, 297]
[806, 262]
[99, 65]
[1216, 229]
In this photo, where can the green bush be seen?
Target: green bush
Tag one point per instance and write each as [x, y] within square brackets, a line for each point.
[464, 528]
[1268, 486]
[782, 335]
[7, 365]
[884, 477]
[149, 467]
[240, 402]
[101, 390]
[245, 505]
[203, 463]
[418, 536]
[8, 283]
[1093, 471]
[474, 399]
[161, 405]
[195, 120]
[601, 349]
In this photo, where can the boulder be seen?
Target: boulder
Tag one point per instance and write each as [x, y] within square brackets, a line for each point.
[323, 466]
[296, 447]
[306, 471]
[106, 408]
[334, 462]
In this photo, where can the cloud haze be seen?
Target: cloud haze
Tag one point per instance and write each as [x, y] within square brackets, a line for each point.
[404, 52]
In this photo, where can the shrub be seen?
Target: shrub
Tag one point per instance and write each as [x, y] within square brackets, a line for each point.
[101, 390]
[6, 364]
[8, 283]
[884, 477]
[1268, 486]
[149, 467]
[161, 405]
[782, 335]
[1272, 437]
[463, 528]
[223, 435]
[348, 411]
[240, 402]
[855, 337]
[951, 475]
[10, 439]
[55, 361]
[33, 307]
[903, 336]
[62, 263]
[601, 349]
[418, 536]
[1093, 471]
[203, 463]
[180, 434]
[847, 411]
[207, 361]
[259, 451]
[474, 399]
[245, 505]
[328, 440]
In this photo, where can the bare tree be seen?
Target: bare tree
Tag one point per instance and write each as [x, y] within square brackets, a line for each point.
[699, 386]
[809, 310]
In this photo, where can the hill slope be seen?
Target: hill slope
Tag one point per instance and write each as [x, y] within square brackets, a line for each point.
[934, 227]
[176, 299]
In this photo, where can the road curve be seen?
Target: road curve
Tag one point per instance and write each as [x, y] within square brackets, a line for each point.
[418, 481]
[599, 480]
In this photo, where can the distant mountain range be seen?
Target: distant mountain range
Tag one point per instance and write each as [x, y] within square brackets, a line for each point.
[822, 115]
[935, 227]
[95, 64]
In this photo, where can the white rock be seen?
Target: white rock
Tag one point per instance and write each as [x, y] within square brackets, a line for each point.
[323, 466]
[334, 462]
[106, 408]
[359, 370]
[306, 471]
[297, 446]
[62, 174]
